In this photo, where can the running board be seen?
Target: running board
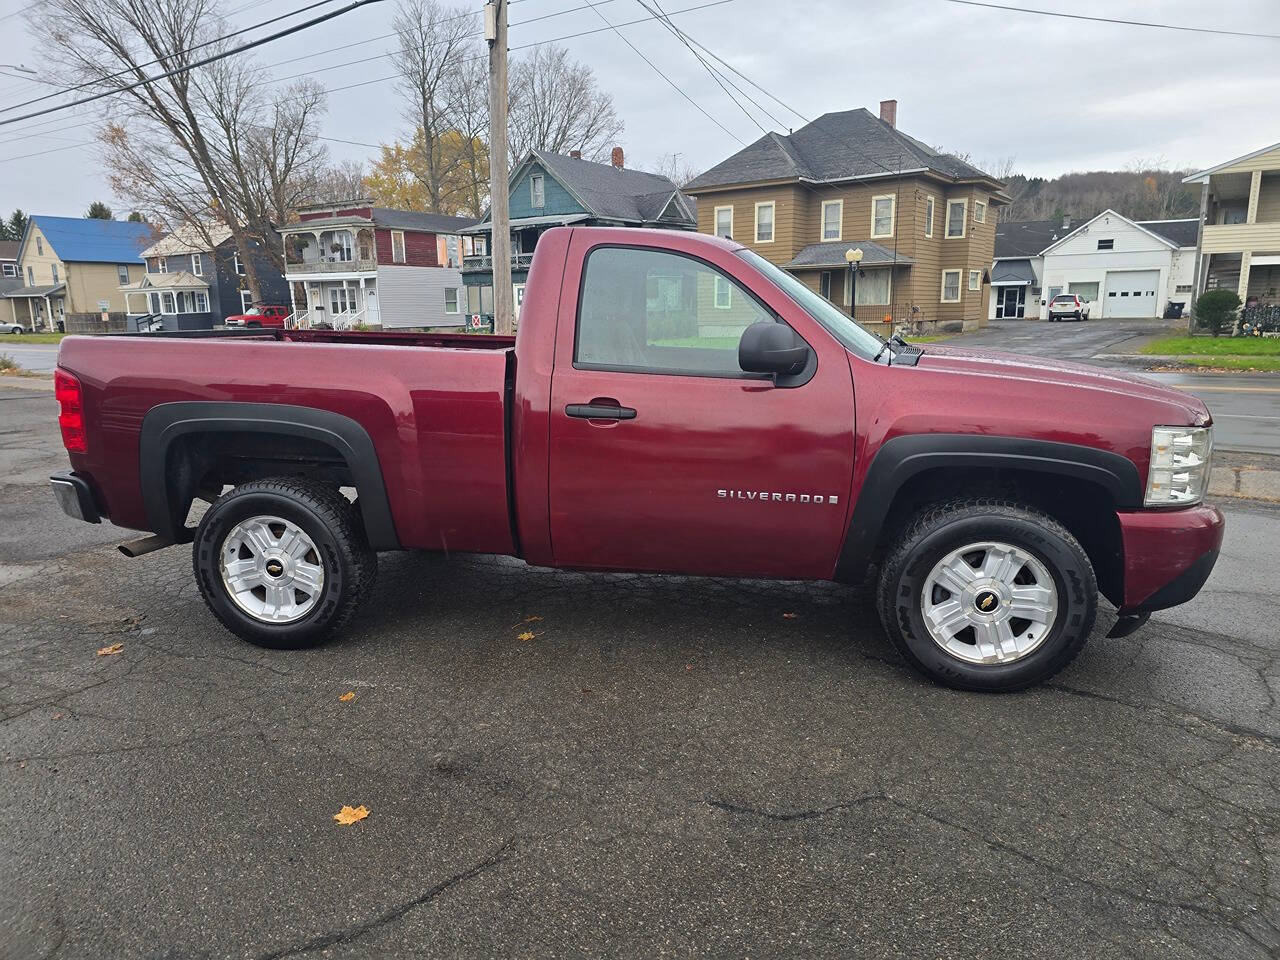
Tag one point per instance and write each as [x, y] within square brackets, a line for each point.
[136, 548]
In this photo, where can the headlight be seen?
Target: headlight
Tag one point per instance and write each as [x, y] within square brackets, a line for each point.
[1179, 469]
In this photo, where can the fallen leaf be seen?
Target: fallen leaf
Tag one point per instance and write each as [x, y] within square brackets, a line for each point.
[526, 636]
[348, 696]
[349, 815]
[57, 716]
[788, 616]
[534, 619]
[108, 651]
[688, 666]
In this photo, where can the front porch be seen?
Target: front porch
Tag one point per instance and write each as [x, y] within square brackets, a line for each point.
[167, 301]
[40, 308]
[340, 303]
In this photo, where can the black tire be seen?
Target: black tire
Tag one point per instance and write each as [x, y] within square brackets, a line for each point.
[326, 516]
[941, 528]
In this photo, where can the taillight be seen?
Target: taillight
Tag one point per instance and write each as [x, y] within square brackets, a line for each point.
[66, 388]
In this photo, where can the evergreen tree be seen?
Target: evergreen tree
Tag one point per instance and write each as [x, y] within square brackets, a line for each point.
[99, 211]
[17, 225]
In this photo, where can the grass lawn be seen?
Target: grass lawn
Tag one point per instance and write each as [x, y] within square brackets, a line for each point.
[30, 338]
[1270, 364]
[1216, 346]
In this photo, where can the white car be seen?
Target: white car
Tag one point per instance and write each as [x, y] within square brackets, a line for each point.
[1068, 306]
[14, 328]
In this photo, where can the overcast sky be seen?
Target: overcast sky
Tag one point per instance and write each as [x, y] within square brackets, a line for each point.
[1054, 94]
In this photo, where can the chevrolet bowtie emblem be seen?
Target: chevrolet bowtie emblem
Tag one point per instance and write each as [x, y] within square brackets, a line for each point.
[987, 602]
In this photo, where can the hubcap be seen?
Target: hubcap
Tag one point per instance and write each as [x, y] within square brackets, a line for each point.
[272, 569]
[989, 603]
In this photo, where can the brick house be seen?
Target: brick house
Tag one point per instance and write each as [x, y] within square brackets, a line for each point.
[353, 263]
[925, 221]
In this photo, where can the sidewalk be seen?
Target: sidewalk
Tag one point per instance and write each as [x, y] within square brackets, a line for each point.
[28, 383]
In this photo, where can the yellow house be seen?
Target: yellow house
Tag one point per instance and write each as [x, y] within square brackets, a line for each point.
[72, 270]
[1239, 243]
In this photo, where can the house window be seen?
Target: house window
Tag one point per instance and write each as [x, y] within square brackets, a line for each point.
[167, 303]
[397, 246]
[975, 279]
[202, 302]
[950, 286]
[874, 287]
[197, 265]
[537, 191]
[450, 299]
[955, 217]
[724, 222]
[122, 273]
[832, 215]
[1106, 244]
[162, 264]
[1085, 291]
[154, 300]
[928, 216]
[651, 311]
[979, 211]
[824, 283]
[53, 271]
[31, 277]
[1182, 288]
[246, 300]
[723, 293]
[764, 222]
[882, 216]
[10, 269]
[239, 267]
[452, 257]
[39, 246]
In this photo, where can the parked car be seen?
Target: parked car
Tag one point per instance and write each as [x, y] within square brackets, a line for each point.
[1068, 306]
[14, 328]
[604, 436]
[266, 315]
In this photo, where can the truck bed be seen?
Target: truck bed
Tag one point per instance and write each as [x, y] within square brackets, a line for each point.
[432, 405]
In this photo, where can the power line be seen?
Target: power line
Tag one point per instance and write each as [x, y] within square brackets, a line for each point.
[675, 86]
[1128, 23]
[356, 4]
[365, 83]
[151, 63]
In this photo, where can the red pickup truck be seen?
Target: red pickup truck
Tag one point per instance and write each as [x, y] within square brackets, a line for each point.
[261, 315]
[672, 403]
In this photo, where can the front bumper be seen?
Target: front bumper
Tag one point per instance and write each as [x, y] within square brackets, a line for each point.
[74, 497]
[1168, 555]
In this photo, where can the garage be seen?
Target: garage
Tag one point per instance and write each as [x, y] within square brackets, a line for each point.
[1131, 293]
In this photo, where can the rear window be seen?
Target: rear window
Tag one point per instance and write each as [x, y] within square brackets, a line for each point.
[1065, 298]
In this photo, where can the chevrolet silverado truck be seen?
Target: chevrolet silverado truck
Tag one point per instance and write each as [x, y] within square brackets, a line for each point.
[671, 403]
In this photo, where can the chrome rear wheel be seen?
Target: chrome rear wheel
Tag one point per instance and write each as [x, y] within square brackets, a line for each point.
[272, 569]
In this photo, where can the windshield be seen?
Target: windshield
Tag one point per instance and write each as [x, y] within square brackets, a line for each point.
[254, 310]
[838, 323]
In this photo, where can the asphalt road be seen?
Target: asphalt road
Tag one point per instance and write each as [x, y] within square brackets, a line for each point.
[1245, 406]
[36, 357]
[670, 767]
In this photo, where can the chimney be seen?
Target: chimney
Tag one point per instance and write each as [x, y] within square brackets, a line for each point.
[617, 157]
[889, 112]
[1066, 222]
[576, 154]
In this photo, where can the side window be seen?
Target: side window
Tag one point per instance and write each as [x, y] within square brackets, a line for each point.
[655, 312]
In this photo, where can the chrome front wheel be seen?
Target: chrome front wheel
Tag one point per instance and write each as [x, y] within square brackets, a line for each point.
[989, 603]
[272, 569]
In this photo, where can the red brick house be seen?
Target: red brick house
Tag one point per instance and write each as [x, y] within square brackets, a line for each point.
[354, 263]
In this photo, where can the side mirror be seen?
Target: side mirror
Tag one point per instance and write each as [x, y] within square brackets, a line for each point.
[768, 347]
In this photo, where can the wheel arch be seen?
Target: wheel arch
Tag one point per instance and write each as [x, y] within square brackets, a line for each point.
[171, 471]
[1081, 487]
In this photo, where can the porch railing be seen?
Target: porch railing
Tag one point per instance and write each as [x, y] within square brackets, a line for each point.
[358, 265]
[519, 261]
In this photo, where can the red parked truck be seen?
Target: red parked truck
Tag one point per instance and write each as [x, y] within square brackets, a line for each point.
[261, 315]
[672, 403]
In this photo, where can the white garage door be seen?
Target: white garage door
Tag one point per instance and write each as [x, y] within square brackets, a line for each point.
[1131, 293]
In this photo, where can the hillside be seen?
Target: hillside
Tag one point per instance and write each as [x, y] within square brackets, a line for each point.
[1141, 195]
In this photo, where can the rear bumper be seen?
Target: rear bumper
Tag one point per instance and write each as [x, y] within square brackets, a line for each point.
[1168, 555]
[75, 497]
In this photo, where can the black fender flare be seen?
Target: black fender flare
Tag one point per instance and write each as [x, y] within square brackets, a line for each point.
[166, 422]
[901, 458]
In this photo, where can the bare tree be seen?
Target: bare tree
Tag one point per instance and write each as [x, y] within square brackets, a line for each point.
[471, 119]
[333, 182]
[557, 105]
[675, 168]
[203, 146]
[434, 41]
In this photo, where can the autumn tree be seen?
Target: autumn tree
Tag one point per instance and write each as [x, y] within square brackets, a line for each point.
[203, 146]
[557, 105]
[400, 176]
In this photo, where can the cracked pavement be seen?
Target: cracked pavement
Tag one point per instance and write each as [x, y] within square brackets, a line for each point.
[669, 768]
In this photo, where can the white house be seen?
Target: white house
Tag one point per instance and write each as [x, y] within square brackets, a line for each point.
[1120, 267]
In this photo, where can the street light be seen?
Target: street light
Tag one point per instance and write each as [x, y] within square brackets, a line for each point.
[854, 257]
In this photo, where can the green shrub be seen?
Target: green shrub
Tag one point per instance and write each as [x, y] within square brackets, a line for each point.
[1215, 310]
[8, 364]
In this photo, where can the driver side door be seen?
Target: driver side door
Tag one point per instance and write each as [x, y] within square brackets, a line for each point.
[665, 455]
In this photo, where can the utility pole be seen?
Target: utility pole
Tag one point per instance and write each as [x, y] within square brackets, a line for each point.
[495, 31]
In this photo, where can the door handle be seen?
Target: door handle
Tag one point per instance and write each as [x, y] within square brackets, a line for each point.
[597, 410]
